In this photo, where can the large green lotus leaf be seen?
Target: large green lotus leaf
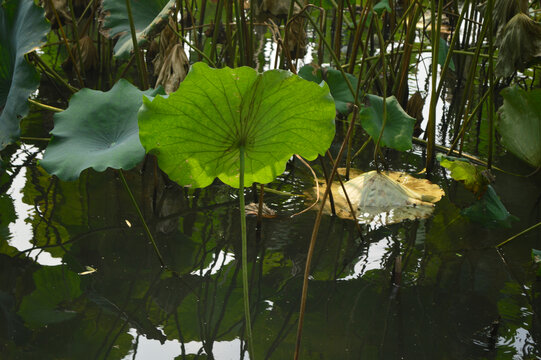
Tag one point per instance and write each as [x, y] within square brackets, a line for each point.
[489, 211]
[149, 17]
[197, 132]
[22, 29]
[343, 99]
[99, 130]
[398, 128]
[519, 123]
[56, 287]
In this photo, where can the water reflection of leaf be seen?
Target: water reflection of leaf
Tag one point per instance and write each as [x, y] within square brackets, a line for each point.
[56, 290]
[490, 211]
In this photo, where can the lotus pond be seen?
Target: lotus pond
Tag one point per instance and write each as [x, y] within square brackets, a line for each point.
[164, 180]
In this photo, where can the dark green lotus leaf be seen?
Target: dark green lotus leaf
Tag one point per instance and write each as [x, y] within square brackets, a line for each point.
[198, 131]
[520, 45]
[399, 127]
[22, 29]
[56, 287]
[343, 99]
[489, 211]
[98, 130]
[465, 172]
[519, 123]
[149, 18]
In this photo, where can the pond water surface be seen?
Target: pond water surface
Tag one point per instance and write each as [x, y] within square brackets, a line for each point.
[79, 279]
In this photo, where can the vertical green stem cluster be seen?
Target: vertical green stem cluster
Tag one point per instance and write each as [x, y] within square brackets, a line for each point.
[490, 14]
[138, 54]
[431, 126]
[244, 260]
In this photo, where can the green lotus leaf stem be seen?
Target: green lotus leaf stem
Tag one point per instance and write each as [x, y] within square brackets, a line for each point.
[244, 257]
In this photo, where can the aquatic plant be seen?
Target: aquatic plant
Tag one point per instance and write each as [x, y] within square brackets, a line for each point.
[238, 126]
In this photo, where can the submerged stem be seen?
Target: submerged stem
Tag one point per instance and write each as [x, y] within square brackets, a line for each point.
[244, 258]
[140, 214]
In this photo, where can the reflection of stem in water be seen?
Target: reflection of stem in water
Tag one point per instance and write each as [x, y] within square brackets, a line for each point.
[127, 318]
[313, 241]
[141, 217]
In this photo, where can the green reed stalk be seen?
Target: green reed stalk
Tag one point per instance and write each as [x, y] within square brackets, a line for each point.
[384, 95]
[139, 55]
[217, 25]
[66, 43]
[431, 126]
[314, 237]
[76, 32]
[338, 30]
[240, 32]
[470, 80]
[490, 14]
[244, 260]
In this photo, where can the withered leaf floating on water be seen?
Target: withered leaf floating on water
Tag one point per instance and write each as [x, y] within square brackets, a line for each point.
[391, 197]
[384, 198]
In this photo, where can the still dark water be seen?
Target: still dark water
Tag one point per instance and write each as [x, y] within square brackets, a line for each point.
[79, 279]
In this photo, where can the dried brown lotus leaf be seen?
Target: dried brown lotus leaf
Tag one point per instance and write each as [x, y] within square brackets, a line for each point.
[266, 212]
[174, 69]
[520, 45]
[385, 197]
[61, 7]
[168, 39]
[504, 10]
[89, 55]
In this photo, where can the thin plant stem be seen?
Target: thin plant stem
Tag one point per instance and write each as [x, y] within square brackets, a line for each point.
[431, 125]
[194, 48]
[217, 25]
[52, 73]
[384, 73]
[77, 38]
[313, 243]
[490, 10]
[519, 234]
[244, 258]
[66, 42]
[44, 106]
[260, 205]
[140, 64]
[141, 217]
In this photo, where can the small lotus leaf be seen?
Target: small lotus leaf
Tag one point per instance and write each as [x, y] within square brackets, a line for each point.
[22, 29]
[466, 172]
[99, 130]
[343, 99]
[489, 211]
[149, 17]
[198, 131]
[519, 123]
[398, 128]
